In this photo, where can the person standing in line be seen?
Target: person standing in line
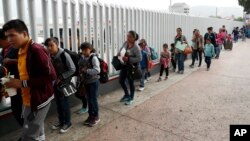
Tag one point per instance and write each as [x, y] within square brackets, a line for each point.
[180, 54]
[165, 60]
[209, 52]
[197, 47]
[130, 55]
[37, 75]
[65, 68]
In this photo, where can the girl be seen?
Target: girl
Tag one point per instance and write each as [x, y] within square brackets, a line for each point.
[132, 57]
[209, 52]
[89, 66]
[165, 61]
[173, 56]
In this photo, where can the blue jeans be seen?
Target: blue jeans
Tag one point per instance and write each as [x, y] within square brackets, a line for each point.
[144, 71]
[63, 107]
[124, 75]
[208, 61]
[92, 94]
[217, 50]
[180, 60]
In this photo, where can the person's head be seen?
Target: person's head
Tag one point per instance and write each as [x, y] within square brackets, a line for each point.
[208, 40]
[142, 43]
[52, 45]
[179, 31]
[87, 49]
[132, 37]
[223, 26]
[209, 29]
[197, 32]
[172, 45]
[229, 35]
[165, 47]
[3, 40]
[220, 30]
[16, 32]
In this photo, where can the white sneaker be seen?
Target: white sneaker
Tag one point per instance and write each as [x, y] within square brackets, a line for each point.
[145, 81]
[141, 89]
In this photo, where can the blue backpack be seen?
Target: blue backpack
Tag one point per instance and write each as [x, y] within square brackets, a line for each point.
[154, 54]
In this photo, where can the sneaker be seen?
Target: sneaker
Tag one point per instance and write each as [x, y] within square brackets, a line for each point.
[181, 72]
[191, 66]
[145, 81]
[92, 121]
[86, 122]
[65, 128]
[57, 126]
[140, 88]
[124, 99]
[130, 102]
[149, 78]
[159, 79]
[174, 70]
[82, 111]
[166, 78]
[199, 66]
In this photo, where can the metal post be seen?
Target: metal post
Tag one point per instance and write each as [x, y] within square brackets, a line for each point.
[6, 10]
[73, 37]
[20, 9]
[81, 21]
[65, 24]
[55, 19]
[45, 18]
[31, 5]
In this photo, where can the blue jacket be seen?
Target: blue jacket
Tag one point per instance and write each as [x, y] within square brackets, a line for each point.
[209, 50]
[144, 61]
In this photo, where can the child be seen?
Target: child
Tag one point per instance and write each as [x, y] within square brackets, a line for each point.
[173, 57]
[209, 52]
[144, 66]
[164, 61]
[89, 69]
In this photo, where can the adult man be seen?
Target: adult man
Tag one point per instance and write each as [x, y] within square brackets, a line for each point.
[36, 77]
[9, 55]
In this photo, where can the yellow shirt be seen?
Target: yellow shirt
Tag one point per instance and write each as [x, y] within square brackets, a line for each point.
[23, 73]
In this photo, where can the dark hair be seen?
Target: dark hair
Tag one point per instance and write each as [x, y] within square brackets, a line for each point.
[209, 28]
[165, 45]
[172, 44]
[134, 34]
[179, 29]
[53, 39]
[2, 36]
[16, 24]
[86, 45]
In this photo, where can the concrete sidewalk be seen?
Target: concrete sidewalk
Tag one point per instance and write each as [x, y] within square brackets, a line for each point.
[198, 105]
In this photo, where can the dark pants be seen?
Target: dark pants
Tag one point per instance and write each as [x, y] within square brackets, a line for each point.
[124, 75]
[195, 55]
[63, 107]
[92, 94]
[162, 69]
[16, 107]
[208, 61]
[180, 59]
[147, 74]
[173, 61]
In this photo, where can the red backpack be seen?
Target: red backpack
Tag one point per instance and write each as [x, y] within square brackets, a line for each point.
[104, 70]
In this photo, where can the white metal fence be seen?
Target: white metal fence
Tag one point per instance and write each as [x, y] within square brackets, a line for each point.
[104, 25]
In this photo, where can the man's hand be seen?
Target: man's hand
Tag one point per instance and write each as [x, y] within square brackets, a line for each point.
[13, 83]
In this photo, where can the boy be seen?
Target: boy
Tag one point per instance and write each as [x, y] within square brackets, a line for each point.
[209, 52]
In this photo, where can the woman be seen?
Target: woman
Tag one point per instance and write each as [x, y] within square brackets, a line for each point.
[197, 47]
[130, 55]
[64, 71]
[180, 54]
[220, 42]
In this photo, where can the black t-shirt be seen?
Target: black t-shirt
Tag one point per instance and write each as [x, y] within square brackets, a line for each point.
[212, 37]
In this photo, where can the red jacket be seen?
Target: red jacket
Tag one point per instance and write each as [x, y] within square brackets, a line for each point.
[41, 76]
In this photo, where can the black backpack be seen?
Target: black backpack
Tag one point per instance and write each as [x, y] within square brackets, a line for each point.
[75, 58]
[104, 77]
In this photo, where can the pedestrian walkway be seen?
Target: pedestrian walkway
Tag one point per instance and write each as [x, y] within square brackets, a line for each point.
[198, 105]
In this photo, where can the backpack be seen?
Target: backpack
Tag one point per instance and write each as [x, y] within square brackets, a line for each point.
[154, 54]
[75, 58]
[104, 70]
